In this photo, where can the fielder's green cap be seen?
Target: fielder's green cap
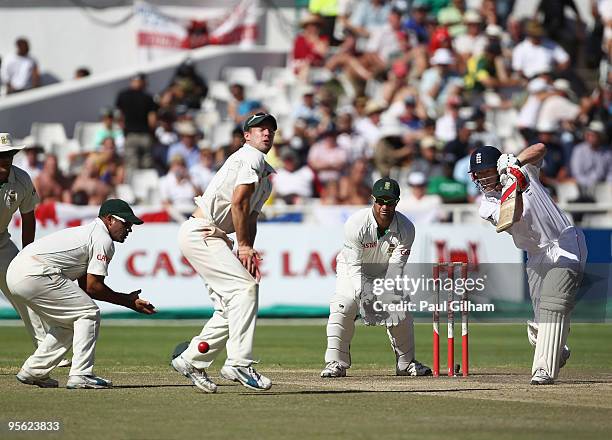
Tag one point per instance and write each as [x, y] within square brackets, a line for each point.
[121, 209]
[258, 119]
[386, 188]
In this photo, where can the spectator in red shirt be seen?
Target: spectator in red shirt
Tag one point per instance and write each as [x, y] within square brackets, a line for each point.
[309, 47]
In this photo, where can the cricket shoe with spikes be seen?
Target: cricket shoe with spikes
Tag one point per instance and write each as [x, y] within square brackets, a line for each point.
[247, 376]
[198, 376]
[88, 382]
[414, 368]
[541, 377]
[334, 369]
[42, 382]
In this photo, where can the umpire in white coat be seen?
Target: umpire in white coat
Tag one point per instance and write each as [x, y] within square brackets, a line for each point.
[42, 277]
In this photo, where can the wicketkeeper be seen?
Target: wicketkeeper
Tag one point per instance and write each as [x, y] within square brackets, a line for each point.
[377, 244]
[556, 250]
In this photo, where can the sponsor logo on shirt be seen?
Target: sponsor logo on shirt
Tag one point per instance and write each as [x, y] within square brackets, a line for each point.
[102, 257]
[405, 252]
[369, 245]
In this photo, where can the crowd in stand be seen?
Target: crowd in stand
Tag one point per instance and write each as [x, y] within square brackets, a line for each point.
[405, 89]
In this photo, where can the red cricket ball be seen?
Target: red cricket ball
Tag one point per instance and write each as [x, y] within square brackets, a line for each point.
[203, 347]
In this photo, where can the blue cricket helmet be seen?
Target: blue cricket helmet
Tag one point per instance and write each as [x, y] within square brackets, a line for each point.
[484, 157]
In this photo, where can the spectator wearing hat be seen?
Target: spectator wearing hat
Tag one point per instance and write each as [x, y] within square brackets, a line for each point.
[536, 55]
[310, 46]
[391, 151]
[457, 148]
[429, 161]
[307, 109]
[293, 183]
[108, 129]
[369, 125]
[417, 202]
[328, 11]
[557, 106]
[439, 81]
[19, 71]
[176, 188]
[409, 117]
[51, 184]
[538, 90]
[473, 42]
[202, 172]
[555, 167]
[187, 146]
[29, 160]
[355, 187]
[140, 118]
[591, 161]
[326, 159]
[191, 83]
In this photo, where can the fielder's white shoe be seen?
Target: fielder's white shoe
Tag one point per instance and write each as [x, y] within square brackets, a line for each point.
[415, 368]
[541, 377]
[88, 382]
[42, 382]
[334, 369]
[64, 363]
[199, 377]
[247, 376]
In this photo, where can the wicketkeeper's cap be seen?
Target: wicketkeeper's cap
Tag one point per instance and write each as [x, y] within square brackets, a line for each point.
[386, 188]
[484, 157]
[258, 119]
[121, 209]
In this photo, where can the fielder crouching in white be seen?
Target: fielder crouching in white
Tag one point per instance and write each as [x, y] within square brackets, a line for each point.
[42, 277]
[556, 250]
[231, 203]
[375, 238]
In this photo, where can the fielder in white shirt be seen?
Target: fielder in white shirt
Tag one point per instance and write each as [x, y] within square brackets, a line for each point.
[376, 239]
[231, 203]
[17, 193]
[556, 250]
[42, 277]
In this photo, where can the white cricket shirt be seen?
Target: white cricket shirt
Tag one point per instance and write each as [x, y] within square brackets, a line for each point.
[366, 254]
[72, 252]
[17, 193]
[542, 221]
[245, 166]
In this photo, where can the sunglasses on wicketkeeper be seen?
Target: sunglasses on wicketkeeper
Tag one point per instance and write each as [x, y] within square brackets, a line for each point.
[388, 202]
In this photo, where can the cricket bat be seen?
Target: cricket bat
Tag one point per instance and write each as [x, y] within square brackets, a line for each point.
[511, 206]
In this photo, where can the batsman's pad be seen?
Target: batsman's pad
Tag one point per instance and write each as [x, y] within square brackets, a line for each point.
[559, 290]
[552, 334]
[179, 349]
[401, 337]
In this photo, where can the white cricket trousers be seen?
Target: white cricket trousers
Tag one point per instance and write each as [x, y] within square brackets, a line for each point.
[343, 309]
[72, 317]
[233, 291]
[33, 324]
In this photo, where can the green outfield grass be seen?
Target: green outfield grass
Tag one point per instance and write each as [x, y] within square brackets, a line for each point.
[151, 401]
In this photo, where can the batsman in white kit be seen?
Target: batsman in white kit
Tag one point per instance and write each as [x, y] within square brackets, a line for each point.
[514, 200]
[17, 193]
[377, 244]
[42, 277]
[231, 203]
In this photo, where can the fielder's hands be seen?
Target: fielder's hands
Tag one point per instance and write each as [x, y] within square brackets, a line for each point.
[250, 259]
[140, 305]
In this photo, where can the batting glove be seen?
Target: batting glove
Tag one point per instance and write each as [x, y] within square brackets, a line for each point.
[505, 161]
[514, 173]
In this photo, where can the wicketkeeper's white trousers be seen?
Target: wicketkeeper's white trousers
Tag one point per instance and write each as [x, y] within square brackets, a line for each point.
[72, 317]
[343, 309]
[233, 291]
[33, 324]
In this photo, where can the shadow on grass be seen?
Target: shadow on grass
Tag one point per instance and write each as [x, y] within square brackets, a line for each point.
[316, 392]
